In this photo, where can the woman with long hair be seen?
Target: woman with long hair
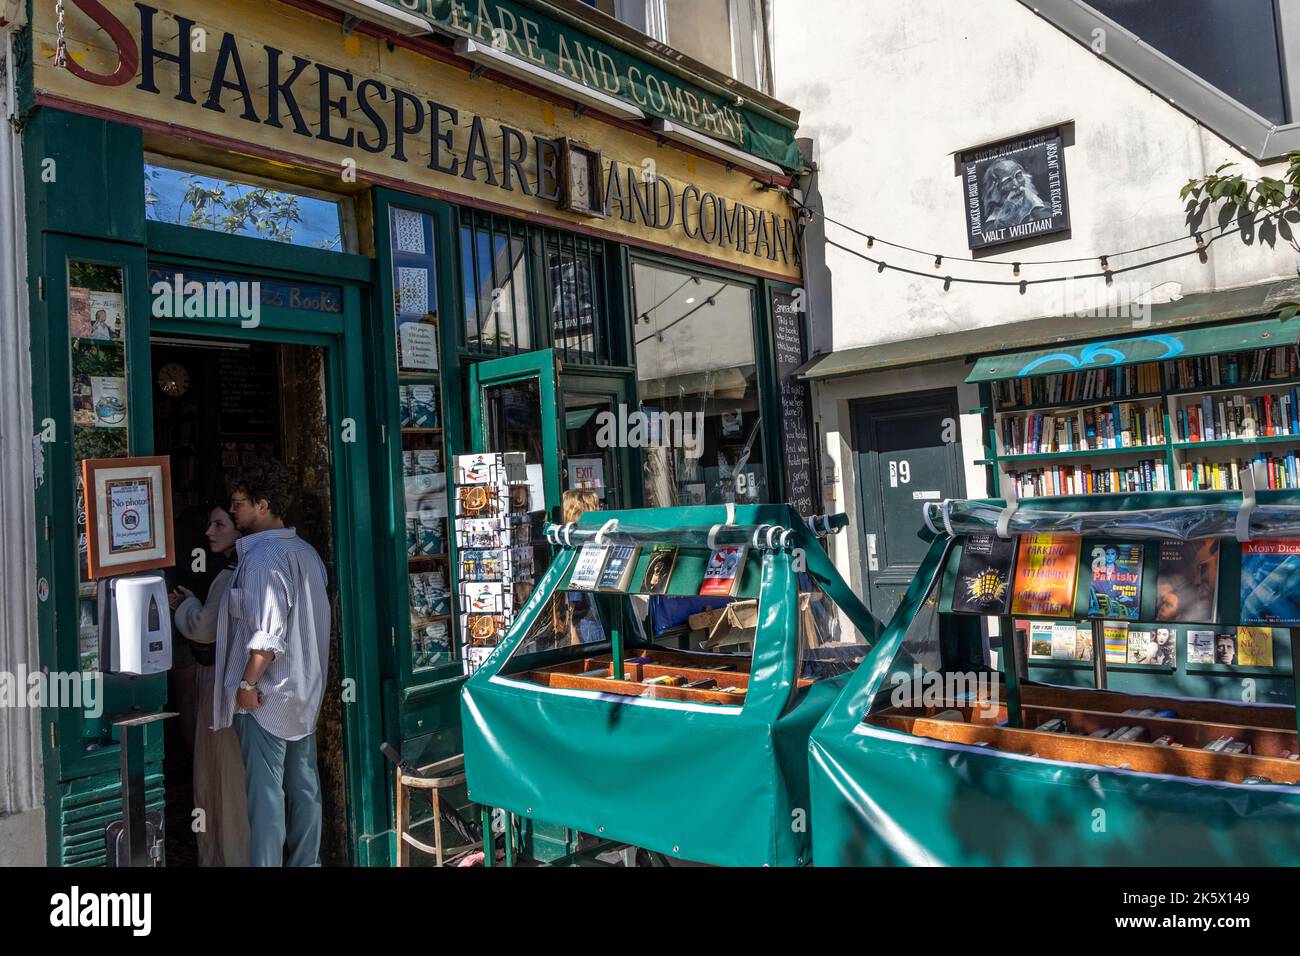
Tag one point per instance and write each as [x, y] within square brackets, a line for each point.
[218, 765]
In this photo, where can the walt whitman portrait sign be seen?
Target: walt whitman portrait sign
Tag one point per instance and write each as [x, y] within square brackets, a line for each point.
[1015, 190]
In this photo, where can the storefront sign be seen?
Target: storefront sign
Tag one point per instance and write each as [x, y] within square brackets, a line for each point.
[529, 34]
[129, 526]
[1015, 191]
[274, 80]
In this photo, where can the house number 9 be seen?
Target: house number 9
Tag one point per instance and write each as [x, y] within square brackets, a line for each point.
[900, 473]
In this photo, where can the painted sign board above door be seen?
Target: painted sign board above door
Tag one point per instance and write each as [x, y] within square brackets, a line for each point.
[266, 78]
[524, 31]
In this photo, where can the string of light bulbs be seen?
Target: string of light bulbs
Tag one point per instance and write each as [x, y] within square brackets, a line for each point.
[1106, 271]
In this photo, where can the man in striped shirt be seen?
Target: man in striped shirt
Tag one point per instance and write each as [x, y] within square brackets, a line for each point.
[273, 637]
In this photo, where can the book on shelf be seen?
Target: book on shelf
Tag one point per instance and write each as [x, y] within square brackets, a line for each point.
[659, 569]
[984, 575]
[1116, 580]
[1273, 472]
[1066, 479]
[617, 574]
[1047, 568]
[1040, 639]
[1241, 417]
[723, 571]
[1142, 648]
[1116, 636]
[1200, 647]
[1270, 581]
[1118, 425]
[1236, 368]
[1255, 646]
[1187, 581]
[587, 569]
[1078, 386]
[1063, 639]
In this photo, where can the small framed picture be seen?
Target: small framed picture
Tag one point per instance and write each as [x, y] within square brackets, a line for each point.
[584, 187]
[128, 514]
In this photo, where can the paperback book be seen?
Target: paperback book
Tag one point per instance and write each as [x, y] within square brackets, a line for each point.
[659, 570]
[1200, 647]
[1116, 581]
[1040, 639]
[984, 575]
[1047, 568]
[1187, 581]
[1116, 637]
[1255, 646]
[1063, 639]
[1270, 582]
[587, 569]
[619, 567]
[722, 573]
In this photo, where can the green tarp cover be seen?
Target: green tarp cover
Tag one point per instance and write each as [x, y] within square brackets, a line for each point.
[881, 797]
[712, 784]
[1134, 349]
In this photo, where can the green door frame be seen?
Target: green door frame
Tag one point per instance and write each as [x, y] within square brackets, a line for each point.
[66, 753]
[341, 337]
[540, 365]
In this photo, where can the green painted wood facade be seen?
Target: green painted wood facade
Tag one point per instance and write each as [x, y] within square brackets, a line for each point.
[95, 210]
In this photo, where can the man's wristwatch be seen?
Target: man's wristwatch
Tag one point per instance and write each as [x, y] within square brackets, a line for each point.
[245, 685]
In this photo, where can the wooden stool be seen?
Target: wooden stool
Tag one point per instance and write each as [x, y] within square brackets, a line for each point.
[435, 777]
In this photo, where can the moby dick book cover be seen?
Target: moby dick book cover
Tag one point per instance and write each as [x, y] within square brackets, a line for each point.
[984, 575]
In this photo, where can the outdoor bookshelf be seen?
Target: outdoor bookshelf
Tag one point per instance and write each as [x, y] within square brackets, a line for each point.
[1178, 425]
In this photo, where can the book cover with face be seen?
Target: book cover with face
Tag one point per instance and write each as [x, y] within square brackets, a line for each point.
[1187, 581]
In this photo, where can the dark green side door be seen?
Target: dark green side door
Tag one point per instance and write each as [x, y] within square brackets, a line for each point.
[907, 451]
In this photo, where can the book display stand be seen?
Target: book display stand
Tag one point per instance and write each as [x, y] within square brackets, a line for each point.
[632, 724]
[947, 749]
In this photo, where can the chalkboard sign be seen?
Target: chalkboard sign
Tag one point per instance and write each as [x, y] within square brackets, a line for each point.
[796, 425]
[248, 392]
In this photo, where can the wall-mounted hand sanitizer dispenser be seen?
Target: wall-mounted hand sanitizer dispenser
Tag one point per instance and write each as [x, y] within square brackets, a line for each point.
[135, 627]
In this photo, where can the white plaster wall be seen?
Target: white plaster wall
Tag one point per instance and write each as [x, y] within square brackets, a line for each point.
[891, 91]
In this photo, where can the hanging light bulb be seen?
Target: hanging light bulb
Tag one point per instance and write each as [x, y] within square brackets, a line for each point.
[1015, 268]
[938, 262]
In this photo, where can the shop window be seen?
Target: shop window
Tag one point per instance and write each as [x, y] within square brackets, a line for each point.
[216, 201]
[576, 298]
[413, 242]
[494, 272]
[698, 383]
[97, 334]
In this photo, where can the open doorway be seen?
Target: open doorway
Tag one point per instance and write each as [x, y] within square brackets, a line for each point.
[217, 405]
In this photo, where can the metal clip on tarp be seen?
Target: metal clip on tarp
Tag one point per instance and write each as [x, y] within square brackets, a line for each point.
[610, 525]
[1248, 503]
[943, 512]
[1004, 519]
